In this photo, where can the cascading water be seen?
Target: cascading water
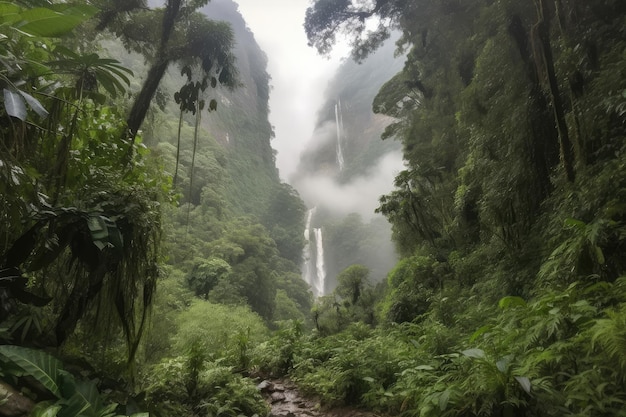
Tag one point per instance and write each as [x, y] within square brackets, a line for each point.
[339, 124]
[313, 257]
[319, 262]
[308, 267]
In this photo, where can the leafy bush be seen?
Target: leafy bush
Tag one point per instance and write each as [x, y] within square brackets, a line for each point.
[216, 391]
[218, 329]
[344, 368]
[561, 354]
[277, 355]
[229, 395]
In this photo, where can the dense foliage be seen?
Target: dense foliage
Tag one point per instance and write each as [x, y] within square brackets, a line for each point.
[85, 208]
[509, 216]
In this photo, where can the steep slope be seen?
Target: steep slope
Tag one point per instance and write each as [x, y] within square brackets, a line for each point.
[233, 206]
[241, 124]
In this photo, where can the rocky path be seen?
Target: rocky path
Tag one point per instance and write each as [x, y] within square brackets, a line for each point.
[286, 401]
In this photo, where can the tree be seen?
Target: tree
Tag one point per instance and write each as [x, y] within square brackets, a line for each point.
[351, 281]
[84, 234]
[252, 253]
[184, 36]
[285, 220]
[325, 18]
[205, 276]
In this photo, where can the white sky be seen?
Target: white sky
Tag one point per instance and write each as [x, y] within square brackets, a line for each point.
[299, 74]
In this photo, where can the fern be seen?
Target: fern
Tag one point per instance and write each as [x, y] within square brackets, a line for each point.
[609, 334]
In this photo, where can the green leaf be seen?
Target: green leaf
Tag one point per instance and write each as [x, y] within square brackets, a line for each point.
[524, 382]
[480, 332]
[85, 397]
[46, 22]
[474, 353]
[44, 409]
[511, 301]
[213, 105]
[109, 84]
[7, 9]
[504, 363]
[575, 223]
[41, 366]
[599, 255]
[83, 10]
[34, 104]
[443, 400]
[14, 104]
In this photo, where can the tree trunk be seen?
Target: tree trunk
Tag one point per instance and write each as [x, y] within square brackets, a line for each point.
[142, 102]
[567, 150]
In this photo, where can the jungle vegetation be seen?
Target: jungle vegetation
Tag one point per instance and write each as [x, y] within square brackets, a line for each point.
[126, 223]
[509, 217]
[164, 278]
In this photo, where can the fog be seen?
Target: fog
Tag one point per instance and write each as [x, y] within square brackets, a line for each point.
[299, 74]
[304, 90]
[357, 196]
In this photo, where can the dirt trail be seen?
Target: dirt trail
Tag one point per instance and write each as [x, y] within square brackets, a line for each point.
[286, 401]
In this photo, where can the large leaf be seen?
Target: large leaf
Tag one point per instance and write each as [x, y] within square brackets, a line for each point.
[14, 104]
[41, 366]
[108, 71]
[84, 399]
[474, 353]
[42, 21]
[443, 400]
[8, 9]
[45, 409]
[524, 383]
[34, 104]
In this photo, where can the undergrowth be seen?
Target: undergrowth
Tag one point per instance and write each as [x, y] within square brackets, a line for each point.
[563, 353]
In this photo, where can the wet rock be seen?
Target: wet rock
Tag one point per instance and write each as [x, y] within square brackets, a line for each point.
[277, 397]
[285, 400]
[265, 386]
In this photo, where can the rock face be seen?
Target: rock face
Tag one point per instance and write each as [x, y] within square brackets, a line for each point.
[13, 404]
[286, 401]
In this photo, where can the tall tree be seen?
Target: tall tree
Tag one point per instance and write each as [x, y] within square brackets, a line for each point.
[174, 33]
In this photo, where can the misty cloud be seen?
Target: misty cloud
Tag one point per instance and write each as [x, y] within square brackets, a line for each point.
[322, 135]
[298, 73]
[359, 195]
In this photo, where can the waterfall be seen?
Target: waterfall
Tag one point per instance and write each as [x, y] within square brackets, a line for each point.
[313, 271]
[339, 124]
[308, 267]
[319, 263]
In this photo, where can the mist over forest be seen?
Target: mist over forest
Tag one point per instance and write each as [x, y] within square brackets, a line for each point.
[450, 243]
